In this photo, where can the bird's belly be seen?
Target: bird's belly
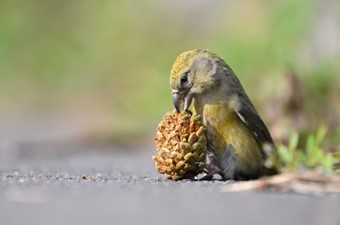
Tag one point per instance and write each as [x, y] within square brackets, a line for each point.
[233, 144]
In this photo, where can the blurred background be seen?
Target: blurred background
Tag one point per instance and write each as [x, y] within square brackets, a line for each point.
[98, 71]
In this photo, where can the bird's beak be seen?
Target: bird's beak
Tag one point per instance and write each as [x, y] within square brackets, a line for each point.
[182, 100]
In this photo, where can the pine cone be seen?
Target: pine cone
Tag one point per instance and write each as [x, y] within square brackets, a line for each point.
[181, 143]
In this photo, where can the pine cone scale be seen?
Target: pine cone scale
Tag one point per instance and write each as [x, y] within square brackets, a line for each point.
[181, 143]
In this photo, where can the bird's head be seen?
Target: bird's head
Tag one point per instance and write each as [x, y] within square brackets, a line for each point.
[194, 73]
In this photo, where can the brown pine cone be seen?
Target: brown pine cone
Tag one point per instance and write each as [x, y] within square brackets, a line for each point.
[181, 143]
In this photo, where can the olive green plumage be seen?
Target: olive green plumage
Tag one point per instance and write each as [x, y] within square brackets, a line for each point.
[235, 132]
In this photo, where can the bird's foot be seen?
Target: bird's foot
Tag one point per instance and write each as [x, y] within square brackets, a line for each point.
[210, 170]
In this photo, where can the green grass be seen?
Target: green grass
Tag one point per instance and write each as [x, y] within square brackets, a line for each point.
[311, 156]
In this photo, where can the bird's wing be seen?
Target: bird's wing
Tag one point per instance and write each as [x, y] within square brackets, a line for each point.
[252, 120]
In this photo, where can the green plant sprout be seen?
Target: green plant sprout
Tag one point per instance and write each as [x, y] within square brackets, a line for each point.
[290, 158]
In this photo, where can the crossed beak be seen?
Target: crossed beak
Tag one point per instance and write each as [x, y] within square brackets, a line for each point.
[182, 100]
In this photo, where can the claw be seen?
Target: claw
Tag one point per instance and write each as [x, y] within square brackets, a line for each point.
[210, 170]
[206, 177]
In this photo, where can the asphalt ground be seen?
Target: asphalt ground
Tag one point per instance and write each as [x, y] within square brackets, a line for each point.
[106, 184]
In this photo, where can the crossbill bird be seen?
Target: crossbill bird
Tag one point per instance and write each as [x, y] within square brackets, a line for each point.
[235, 131]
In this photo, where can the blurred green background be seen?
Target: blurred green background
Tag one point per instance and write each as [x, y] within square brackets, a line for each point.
[106, 63]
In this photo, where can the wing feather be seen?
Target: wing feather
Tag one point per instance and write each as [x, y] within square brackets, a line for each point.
[253, 121]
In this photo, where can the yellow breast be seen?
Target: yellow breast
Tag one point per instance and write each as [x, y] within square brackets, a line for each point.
[228, 129]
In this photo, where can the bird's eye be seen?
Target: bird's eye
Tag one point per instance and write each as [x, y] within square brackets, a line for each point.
[184, 80]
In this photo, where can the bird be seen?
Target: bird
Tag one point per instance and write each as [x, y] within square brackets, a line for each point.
[236, 134]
